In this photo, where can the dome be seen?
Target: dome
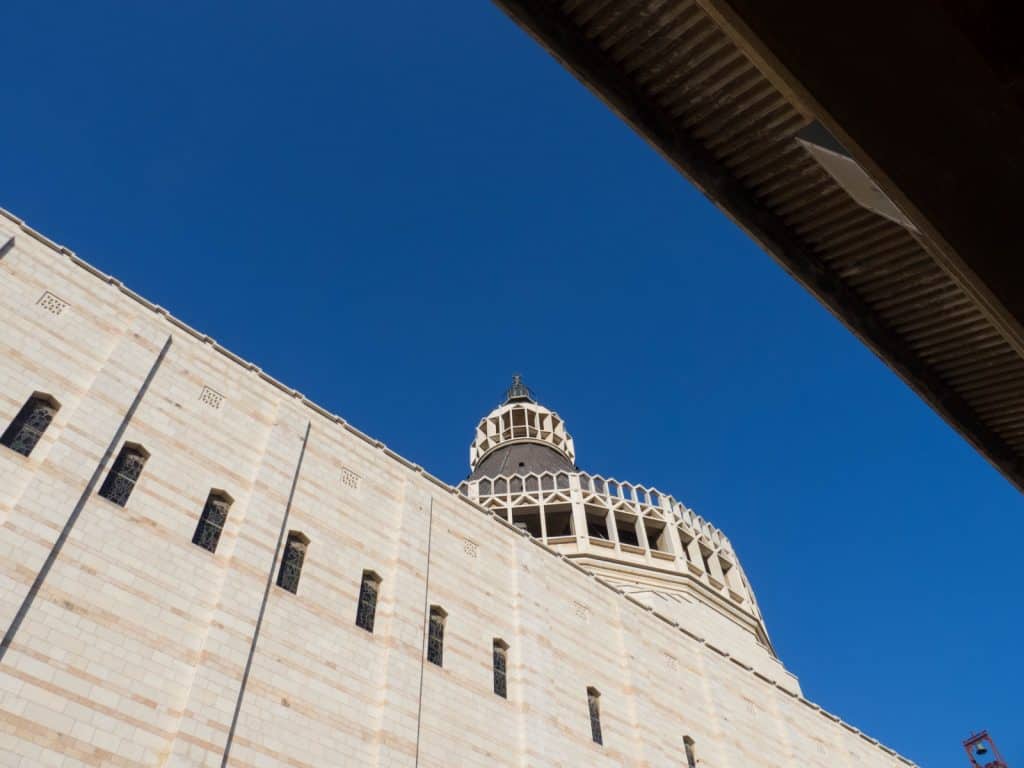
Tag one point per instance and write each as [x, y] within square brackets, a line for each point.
[520, 436]
[638, 539]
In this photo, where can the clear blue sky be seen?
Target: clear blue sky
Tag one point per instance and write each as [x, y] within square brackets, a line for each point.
[392, 206]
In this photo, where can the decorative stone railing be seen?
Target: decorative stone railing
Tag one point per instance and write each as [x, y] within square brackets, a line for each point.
[628, 522]
[642, 500]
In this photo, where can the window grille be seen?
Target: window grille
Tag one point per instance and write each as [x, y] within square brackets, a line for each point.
[435, 636]
[594, 704]
[691, 755]
[291, 562]
[29, 425]
[367, 609]
[211, 397]
[349, 478]
[124, 474]
[501, 669]
[52, 304]
[211, 521]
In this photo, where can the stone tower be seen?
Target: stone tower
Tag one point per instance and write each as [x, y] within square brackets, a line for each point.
[638, 539]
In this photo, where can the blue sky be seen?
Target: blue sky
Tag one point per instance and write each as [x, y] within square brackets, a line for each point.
[392, 206]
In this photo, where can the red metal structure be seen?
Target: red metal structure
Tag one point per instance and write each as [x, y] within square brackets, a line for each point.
[983, 752]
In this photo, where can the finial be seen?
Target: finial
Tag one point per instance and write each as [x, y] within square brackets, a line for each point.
[518, 390]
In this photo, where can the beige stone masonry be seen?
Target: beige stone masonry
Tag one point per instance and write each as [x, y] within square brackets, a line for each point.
[134, 649]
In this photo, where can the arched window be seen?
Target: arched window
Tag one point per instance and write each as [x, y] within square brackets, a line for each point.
[435, 635]
[291, 562]
[501, 668]
[211, 521]
[124, 474]
[594, 704]
[691, 755]
[367, 609]
[30, 424]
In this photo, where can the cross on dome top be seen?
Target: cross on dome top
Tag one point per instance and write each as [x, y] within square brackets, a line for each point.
[518, 390]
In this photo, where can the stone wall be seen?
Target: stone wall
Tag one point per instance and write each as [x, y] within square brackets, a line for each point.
[126, 644]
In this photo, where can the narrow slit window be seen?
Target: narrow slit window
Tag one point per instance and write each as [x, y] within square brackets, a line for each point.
[501, 668]
[435, 636]
[124, 474]
[30, 424]
[211, 521]
[291, 562]
[367, 609]
[691, 754]
[594, 704]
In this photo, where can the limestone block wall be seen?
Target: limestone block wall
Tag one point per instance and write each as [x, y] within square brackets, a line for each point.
[126, 644]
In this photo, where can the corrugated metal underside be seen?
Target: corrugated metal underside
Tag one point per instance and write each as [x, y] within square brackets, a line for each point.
[668, 69]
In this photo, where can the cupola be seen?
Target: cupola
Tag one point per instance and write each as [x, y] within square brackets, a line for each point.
[520, 436]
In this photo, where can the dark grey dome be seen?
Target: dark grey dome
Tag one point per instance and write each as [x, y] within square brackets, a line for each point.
[521, 459]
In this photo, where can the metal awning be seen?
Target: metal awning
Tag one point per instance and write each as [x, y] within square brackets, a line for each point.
[722, 88]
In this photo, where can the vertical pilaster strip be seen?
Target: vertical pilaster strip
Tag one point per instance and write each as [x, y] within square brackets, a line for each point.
[395, 711]
[579, 514]
[521, 684]
[263, 604]
[426, 626]
[51, 558]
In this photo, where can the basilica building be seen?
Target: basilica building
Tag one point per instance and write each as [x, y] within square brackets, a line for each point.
[201, 567]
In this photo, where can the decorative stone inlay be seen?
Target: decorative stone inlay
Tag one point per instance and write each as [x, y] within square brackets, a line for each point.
[349, 478]
[211, 398]
[470, 548]
[52, 304]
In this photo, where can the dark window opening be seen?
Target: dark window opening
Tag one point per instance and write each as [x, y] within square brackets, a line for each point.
[291, 562]
[501, 668]
[597, 526]
[367, 609]
[685, 540]
[656, 536]
[594, 704]
[528, 520]
[726, 567]
[559, 520]
[211, 521]
[691, 755]
[124, 474]
[705, 556]
[627, 531]
[435, 636]
[30, 424]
